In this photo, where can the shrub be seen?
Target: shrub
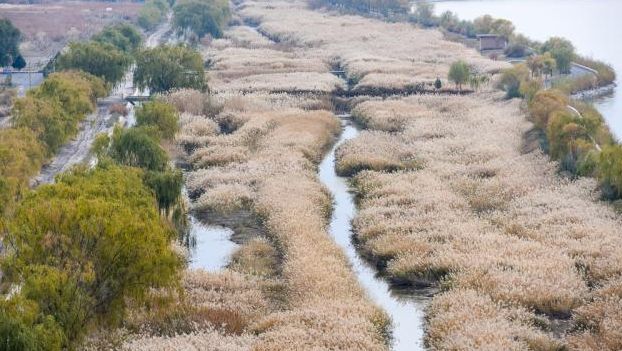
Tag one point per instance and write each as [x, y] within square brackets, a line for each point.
[511, 80]
[544, 104]
[610, 171]
[515, 50]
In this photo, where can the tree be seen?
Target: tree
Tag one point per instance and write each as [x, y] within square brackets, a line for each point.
[424, 14]
[46, 118]
[84, 245]
[23, 327]
[549, 64]
[459, 73]
[561, 50]
[149, 16]
[202, 16]
[19, 63]
[437, 83]
[138, 147]
[483, 24]
[168, 67]
[449, 21]
[9, 45]
[166, 186]
[123, 36]
[21, 156]
[535, 64]
[101, 59]
[54, 109]
[161, 115]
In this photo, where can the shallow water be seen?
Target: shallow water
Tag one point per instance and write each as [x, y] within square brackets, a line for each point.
[591, 25]
[211, 247]
[405, 308]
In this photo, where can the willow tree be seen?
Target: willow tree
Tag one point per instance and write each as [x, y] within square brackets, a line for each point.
[82, 247]
[161, 115]
[168, 67]
[202, 16]
[102, 59]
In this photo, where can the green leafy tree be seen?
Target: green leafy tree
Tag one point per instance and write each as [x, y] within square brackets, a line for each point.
[23, 327]
[561, 50]
[161, 115]
[100, 59]
[610, 171]
[124, 37]
[149, 16]
[459, 73]
[202, 16]
[166, 186]
[19, 63]
[168, 67]
[84, 245]
[9, 45]
[424, 14]
[54, 109]
[437, 83]
[138, 147]
[162, 5]
[46, 118]
[21, 156]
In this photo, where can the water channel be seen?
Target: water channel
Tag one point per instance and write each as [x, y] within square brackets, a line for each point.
[406, 308]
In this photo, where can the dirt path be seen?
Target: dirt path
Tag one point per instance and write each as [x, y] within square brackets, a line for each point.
[78, 150]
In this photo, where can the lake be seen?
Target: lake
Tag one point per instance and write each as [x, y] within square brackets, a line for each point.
[593, 27]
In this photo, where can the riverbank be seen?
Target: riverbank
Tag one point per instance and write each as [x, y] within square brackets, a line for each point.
[443, 190]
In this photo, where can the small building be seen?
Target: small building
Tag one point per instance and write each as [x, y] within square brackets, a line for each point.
[489, 42]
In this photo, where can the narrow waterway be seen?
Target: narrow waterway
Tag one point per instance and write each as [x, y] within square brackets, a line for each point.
[406, 308]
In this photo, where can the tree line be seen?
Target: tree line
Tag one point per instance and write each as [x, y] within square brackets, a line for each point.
[78, 251]
[577, 138]
[557, 48]
[9, 45]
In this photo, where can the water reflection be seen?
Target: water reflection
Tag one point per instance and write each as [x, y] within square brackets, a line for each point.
[406, 307]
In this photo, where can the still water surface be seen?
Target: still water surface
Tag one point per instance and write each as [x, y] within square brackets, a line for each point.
[593, 26]
[406, 308]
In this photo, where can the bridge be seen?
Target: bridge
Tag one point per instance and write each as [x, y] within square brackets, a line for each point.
[133, 99]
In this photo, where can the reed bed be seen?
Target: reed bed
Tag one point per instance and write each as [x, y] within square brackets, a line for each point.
[248, 61]
[268, 165]
[499, 230]
[373, 53]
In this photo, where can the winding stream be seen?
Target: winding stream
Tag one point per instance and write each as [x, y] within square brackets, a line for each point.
[406, 308]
